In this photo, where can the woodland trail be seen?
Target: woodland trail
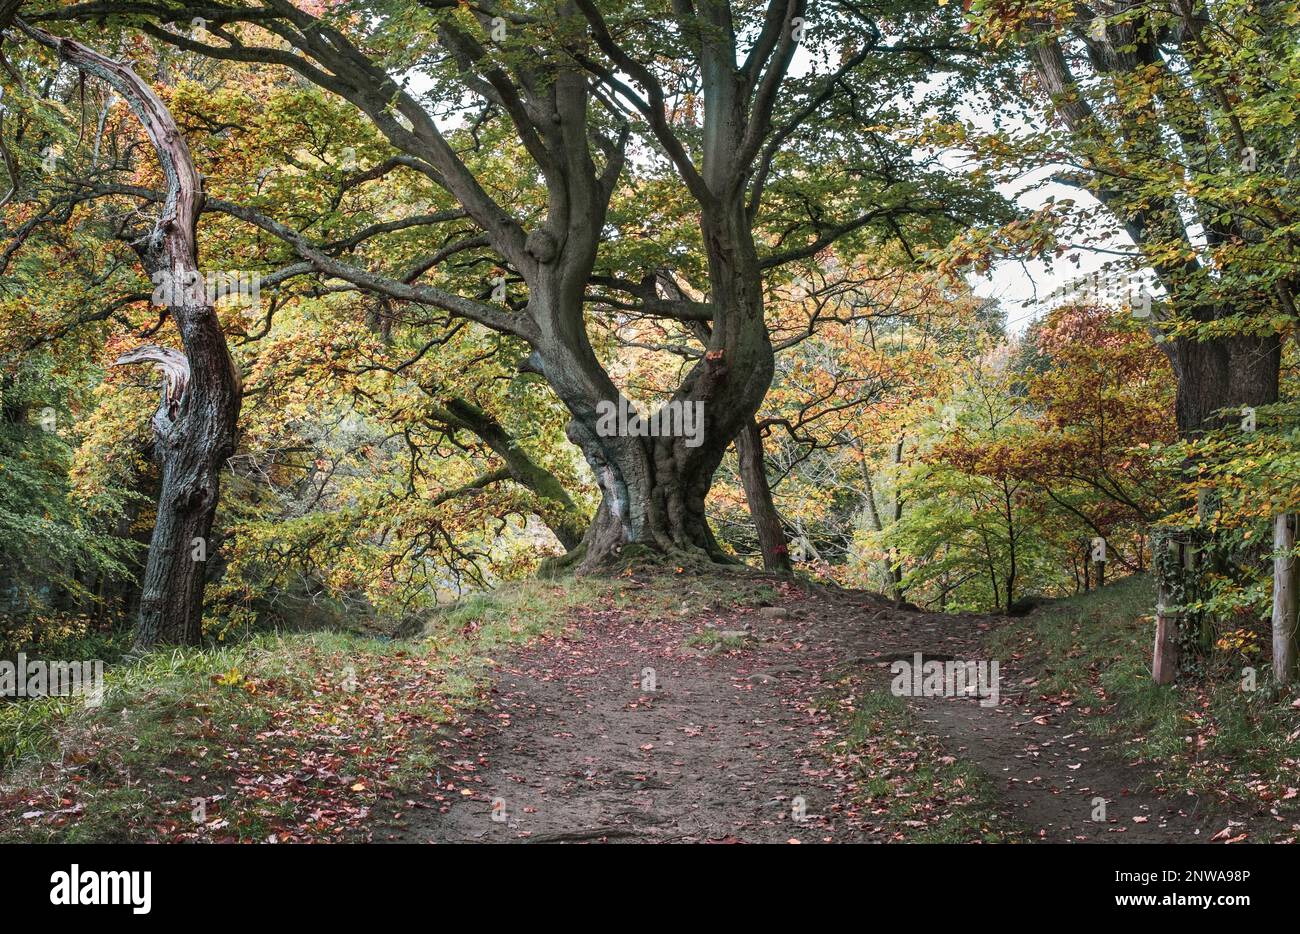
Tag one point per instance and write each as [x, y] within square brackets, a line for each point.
[572, 748]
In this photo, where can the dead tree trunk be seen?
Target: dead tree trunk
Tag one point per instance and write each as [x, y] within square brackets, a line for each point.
[758, 493]
[195, 425]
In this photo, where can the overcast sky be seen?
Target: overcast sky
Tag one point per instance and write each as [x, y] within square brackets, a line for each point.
[1024, 288]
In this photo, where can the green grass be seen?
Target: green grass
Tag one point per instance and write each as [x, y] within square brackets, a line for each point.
[910, 788]
[297, 735]
[514, 612]
[1081, 644]
[1203, 733]
[244, 727]
[714, 639]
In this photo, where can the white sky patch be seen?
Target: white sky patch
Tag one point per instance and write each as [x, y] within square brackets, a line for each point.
[1023, 287]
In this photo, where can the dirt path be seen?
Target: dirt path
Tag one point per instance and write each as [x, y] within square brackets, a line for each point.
[1053, 776]
[577, 747]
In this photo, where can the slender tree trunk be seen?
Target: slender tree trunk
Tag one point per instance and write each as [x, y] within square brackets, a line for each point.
[889, 565]
[1286, 598]
[1012, 568]
[767, 521]
[895, 566]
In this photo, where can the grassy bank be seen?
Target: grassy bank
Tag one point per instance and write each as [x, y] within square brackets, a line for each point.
[280, 737]
[293, 736]
[1208, 734]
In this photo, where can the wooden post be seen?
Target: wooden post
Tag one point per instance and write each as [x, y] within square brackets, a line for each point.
[1097, 556]
[1164, 663]
[1284, 598]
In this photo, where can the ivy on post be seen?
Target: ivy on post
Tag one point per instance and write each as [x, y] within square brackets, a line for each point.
[1175, 559]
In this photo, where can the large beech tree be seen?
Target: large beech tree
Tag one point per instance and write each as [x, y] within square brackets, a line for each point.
[774, 167]
[1163, 142]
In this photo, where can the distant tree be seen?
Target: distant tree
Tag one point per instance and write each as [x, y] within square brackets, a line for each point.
[1102, 402]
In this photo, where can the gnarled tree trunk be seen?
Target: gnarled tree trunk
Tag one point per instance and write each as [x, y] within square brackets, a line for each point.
[195, 425]
[653, 489]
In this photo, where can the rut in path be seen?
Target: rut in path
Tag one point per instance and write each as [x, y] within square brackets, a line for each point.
[573, 748]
